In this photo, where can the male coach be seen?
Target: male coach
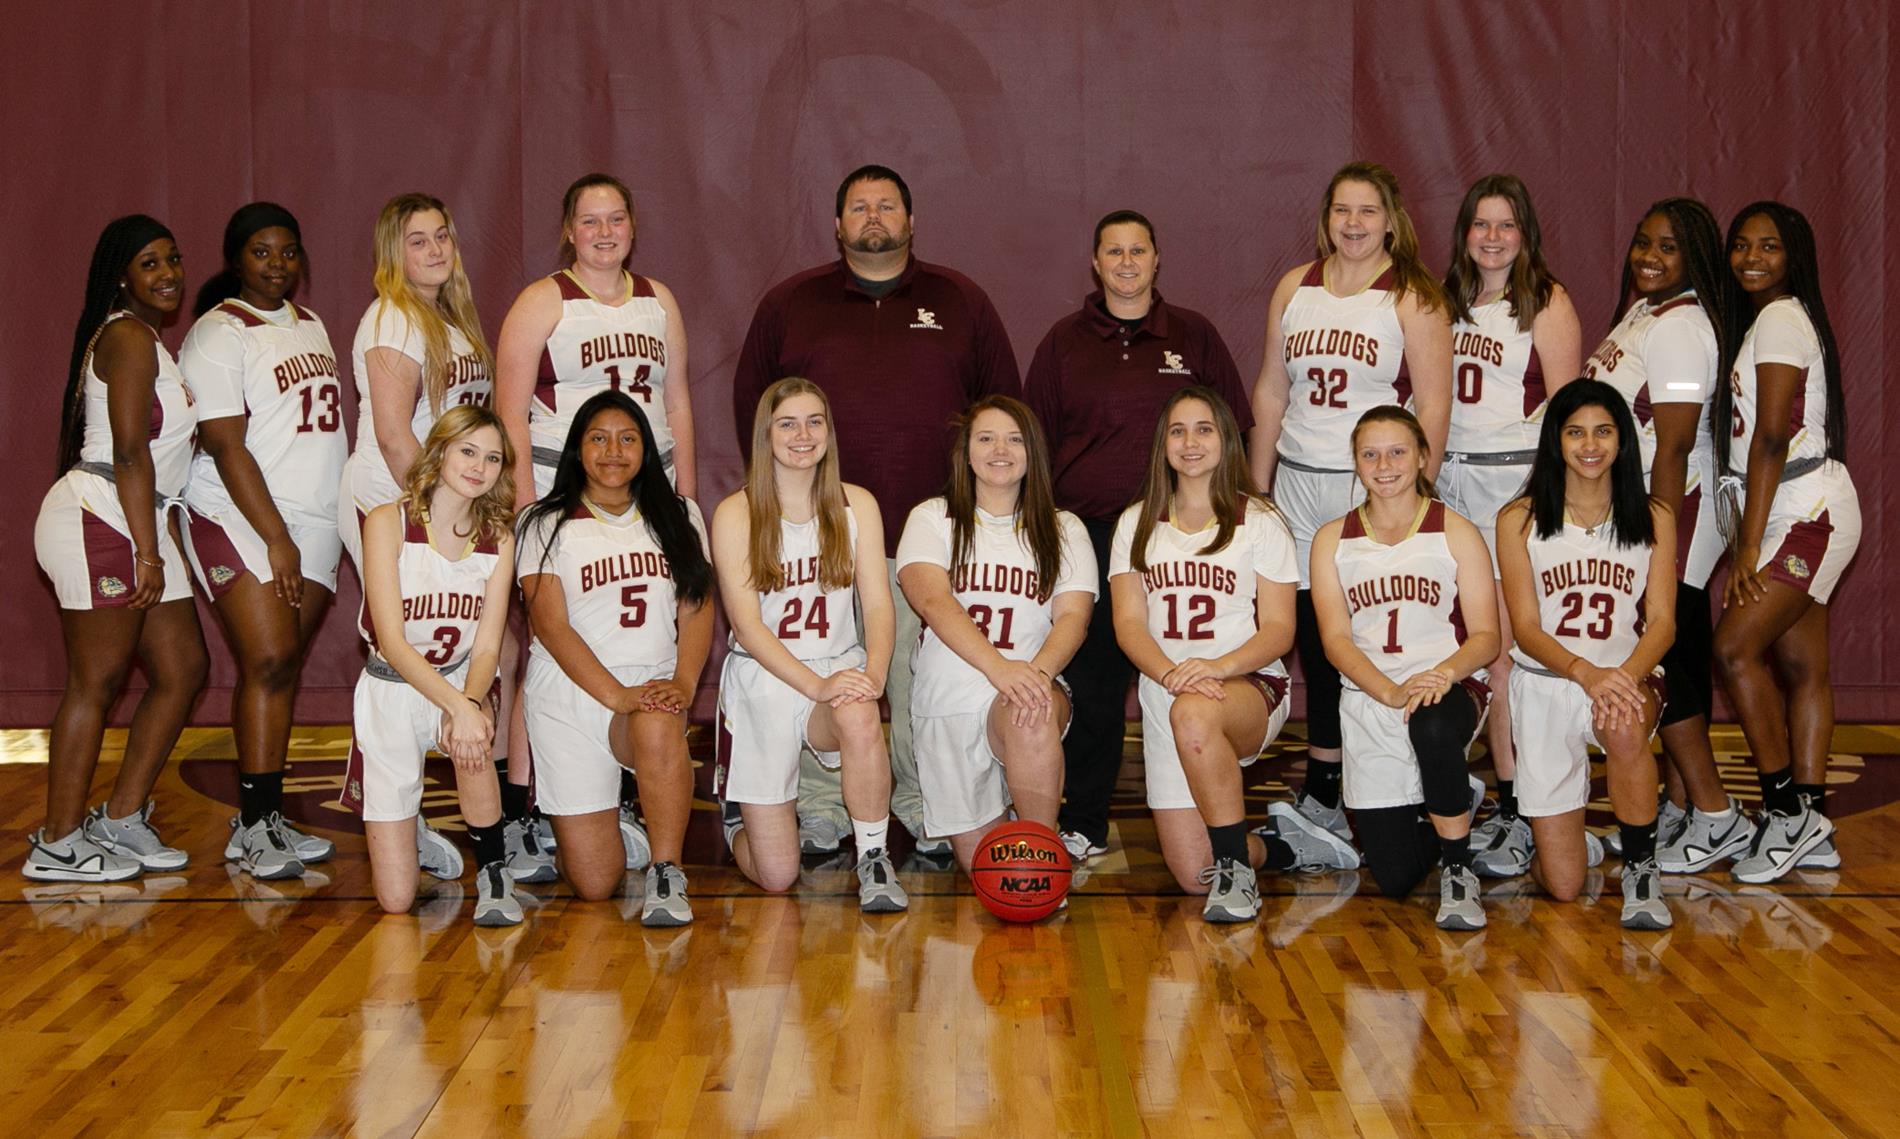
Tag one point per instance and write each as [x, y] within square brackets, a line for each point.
[900, 347]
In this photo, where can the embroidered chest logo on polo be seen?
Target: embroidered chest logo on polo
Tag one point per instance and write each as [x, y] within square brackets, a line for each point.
[927, 319]
[1171, 365]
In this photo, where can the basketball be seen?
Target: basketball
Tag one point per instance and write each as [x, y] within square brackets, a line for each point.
[1021, 871]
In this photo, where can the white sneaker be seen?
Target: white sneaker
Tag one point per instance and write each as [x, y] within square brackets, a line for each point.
[1780, 842]
[78, 857]
[527, 861]
[1081, 847]
[879, 891]
[1704, 840]
[1459, 904]
[1643, 906]
[1316, 846]
[1233, 892]
[435, 853]
[1332, 818]
[264, 850]
[665, 902]
[307, 847]
[1593, 848]
[495, 901]
[633, 837]
[135, 837]
[820, 834]
[1826, 856]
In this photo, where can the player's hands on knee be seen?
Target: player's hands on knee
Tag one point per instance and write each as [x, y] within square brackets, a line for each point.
[1196, 675]
[1422, 689]
[666, 695]
[847, 686]
[1616, 699]
[1024, 688]
[286, 570]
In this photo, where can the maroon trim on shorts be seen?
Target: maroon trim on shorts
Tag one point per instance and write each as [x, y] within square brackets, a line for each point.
[722, 755]
[110, 575]
[1271, 686]
[1480, 693]
[216, 556]
[1799, 556]
[351, 796]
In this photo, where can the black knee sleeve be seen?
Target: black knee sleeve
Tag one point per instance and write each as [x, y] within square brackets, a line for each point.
[1441, 734]
[1689, 665]
[1322, 679]
[1400, 846]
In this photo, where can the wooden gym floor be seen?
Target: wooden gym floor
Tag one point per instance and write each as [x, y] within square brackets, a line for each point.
[202, 1003]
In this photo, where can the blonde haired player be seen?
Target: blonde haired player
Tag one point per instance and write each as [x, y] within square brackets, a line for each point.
[1403, 590]
[797, 550]
[1005, 584]
[437, 574]
[262, 498]
[1202, 576]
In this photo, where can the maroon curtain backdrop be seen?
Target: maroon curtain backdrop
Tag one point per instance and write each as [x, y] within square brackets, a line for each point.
[1017, 126]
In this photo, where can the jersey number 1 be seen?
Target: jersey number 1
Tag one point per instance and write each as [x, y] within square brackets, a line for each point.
[322, 408]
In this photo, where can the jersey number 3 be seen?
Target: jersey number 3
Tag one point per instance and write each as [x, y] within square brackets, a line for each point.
[322, 408]
[1598, 627]
[1329, 388]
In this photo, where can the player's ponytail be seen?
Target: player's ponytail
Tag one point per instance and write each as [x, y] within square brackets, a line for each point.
[118, 243]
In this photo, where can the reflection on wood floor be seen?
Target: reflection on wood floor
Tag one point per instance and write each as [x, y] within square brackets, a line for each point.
[203, 1003]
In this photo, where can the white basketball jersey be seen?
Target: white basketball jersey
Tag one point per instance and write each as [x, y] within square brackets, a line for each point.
[174, 421]
[617, 581]
[811, 621]
[597, 347]
[1343, 355]
[385, 326]
[442, 600]
[1202, 605]
[1589, 592]
[1782, 334]
[278, 371]
[1404, 597]
[997, 586]
[1497, 383]
[1663, 353]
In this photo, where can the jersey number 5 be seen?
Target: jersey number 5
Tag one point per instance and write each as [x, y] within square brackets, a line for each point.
[633, 607]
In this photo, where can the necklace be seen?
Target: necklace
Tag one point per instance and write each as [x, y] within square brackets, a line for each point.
[1589, 528]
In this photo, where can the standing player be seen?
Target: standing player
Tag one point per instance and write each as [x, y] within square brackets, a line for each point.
[437, 574]
[1203, 578]
[901, 347]
[619, 591]
[1004, 583]
[1403, 590]
[1798, 526]
[1664, 356]
[1589, 574]
[1514, 340]
[589, 328]
[797, 549]
[1365, 324]
[1097, 383]
[419, 350]
[262, 499]
[106, 539]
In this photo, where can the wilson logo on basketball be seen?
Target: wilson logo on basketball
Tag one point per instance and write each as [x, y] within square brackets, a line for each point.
[1024, 852]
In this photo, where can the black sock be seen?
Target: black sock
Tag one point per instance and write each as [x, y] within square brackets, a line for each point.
[1639, 842]
[1808, 794]
[1507, 798]
[1455, 851]
[1777, 792]
[514, 801]
[488, 843]
[1229, 841]
[1322, 781]
[1279, 854]
[259, 794]
[629, 790]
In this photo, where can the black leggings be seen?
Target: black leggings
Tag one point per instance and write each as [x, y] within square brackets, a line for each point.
[1322, 679]
[1689, 664]
[1400, 845]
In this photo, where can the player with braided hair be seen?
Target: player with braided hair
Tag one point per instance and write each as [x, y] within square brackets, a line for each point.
[1795, 528]
[262, 534]
[1664, 356]
[106, 539]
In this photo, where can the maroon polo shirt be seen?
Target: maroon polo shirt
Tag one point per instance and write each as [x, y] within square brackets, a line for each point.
[1098, 384]
[897, 370]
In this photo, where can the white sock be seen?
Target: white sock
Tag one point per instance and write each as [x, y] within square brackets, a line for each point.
[871, 836]
[1727, 812]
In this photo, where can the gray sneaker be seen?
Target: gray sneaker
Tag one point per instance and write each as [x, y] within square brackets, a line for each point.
[1593, 848]
[264, 851]
[1826, 856]
[633, 838]
[1507, 849]
[1316, 846]
[1081, 847]
[78, 857]
[135, 837]
[820, 834]
[1780, 842]
[435, 853]
[731, 822]
[879, 891]
[1704, 840]
[665, 903]
[1458, 904]
[1233, 894]
[495, 901]
[526, 860]
[1643, 906]
[1669, 819]
[1332, 818]
[307, 847]
[933, 847]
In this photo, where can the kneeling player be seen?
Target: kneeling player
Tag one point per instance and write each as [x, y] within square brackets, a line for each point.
[1202, 575]
[1004, 583]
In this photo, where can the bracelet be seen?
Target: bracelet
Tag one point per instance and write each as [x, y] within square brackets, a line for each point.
[148, 563]
[478, 704]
